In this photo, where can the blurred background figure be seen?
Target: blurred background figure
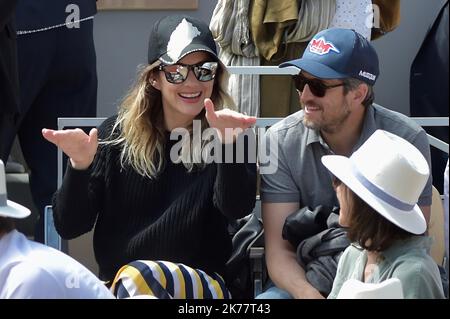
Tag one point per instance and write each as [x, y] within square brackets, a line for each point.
[429, 87]
[9, 83]
[58, 78]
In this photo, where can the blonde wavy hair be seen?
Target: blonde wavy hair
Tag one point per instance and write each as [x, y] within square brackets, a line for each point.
[139, 127]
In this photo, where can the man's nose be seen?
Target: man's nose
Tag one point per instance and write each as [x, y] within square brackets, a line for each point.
[306, 94]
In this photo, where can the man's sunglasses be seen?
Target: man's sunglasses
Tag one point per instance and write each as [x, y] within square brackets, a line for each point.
[317, 87]
[178, 73]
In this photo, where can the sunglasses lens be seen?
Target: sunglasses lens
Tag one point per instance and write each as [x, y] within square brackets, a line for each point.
[299, 82]
[316, 87]
[206, 71]
[175, 73]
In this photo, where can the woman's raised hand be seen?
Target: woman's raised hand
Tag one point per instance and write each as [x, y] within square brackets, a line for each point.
[76, 144]
[227, 119]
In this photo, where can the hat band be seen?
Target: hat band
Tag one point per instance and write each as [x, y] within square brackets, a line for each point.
[381, 194]
[3, 201]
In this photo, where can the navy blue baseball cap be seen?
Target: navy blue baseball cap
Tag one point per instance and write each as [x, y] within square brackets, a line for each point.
[338, 54]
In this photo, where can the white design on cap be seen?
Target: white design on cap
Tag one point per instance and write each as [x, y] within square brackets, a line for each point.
[368, 75]
[180, 38]
[321, 46]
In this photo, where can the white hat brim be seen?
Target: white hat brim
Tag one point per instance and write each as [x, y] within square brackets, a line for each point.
[14, 210]
[412, 221]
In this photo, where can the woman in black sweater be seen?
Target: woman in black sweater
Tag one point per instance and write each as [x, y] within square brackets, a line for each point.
[151, 196]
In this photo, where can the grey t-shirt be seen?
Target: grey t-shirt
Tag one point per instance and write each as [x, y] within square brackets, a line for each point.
[300, 175]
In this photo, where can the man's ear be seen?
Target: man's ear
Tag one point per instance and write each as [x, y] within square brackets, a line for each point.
[360, 93]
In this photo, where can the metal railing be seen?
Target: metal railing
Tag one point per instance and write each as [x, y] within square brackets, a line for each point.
[260, 122]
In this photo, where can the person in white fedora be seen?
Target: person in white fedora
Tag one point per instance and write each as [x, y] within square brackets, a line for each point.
[378, 187]
[32, 270]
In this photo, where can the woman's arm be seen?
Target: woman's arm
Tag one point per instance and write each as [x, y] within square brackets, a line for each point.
[235, 185]
[78, 201]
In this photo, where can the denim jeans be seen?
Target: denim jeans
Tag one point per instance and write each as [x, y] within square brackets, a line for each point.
[273, 292]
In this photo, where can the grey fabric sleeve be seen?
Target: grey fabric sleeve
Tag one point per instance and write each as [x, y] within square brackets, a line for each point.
[277, 184]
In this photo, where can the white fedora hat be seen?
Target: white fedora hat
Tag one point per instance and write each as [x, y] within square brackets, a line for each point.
[389, 174]
[387, 289]
[7, 207]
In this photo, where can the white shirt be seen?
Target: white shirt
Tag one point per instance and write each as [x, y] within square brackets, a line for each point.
[32, 270]
[354, 14]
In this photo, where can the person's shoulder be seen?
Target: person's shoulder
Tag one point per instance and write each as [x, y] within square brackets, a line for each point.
[292, 124]
[415, 261]
[396, 122]
[415, 264]
[29, 279]
[418, 273]
[54, 280]
[353, 250]
[105, 129]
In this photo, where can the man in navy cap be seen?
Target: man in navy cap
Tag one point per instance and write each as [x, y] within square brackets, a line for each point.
[335, 86]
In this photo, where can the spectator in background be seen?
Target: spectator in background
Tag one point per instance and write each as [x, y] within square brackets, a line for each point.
[429, 84]
[33, 271]
[58, 78]
[9, 83]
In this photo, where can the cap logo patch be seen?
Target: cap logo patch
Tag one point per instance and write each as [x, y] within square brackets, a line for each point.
[321, 46]
[180, 38]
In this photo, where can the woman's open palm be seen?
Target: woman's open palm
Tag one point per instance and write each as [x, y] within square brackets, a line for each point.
[227, 119]
[76, 144]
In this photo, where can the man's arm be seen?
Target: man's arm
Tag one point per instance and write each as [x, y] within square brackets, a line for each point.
[281, 260]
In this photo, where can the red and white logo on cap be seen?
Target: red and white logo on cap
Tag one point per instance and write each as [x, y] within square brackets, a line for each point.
[321, 46]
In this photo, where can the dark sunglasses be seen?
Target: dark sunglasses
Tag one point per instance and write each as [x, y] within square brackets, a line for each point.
[178, 73]
[317, 87]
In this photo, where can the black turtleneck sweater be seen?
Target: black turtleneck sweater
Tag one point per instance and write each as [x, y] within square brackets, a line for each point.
[179, 216]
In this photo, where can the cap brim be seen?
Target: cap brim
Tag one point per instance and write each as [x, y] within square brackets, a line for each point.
[166, 59]
[194, 48]
[412, 221]
[14, 210]
[314, 68]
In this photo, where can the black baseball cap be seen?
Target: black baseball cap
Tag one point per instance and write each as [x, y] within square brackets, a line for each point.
[175, 36]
